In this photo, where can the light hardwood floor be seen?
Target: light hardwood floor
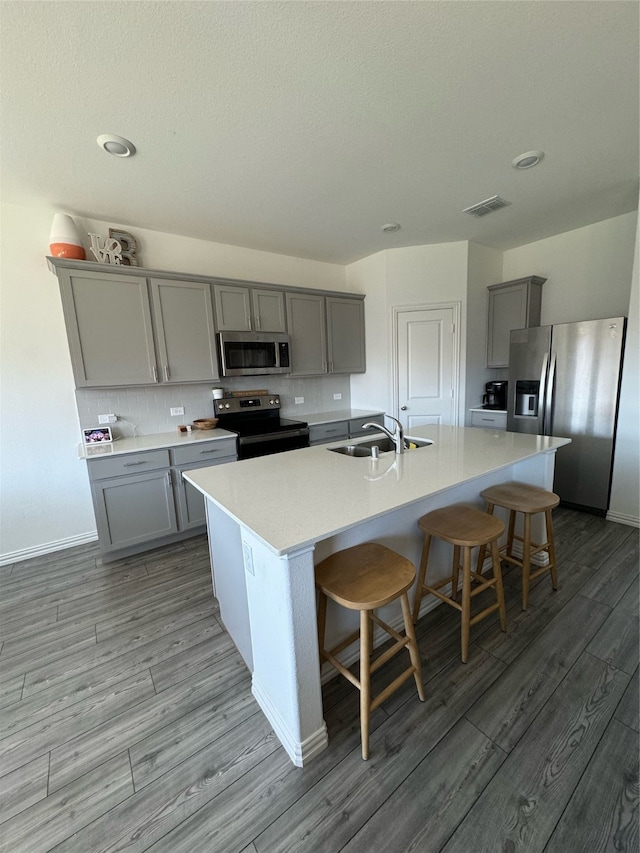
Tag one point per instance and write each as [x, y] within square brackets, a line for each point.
[127, 721]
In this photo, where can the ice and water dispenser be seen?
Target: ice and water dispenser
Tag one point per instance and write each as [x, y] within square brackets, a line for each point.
[527, 391]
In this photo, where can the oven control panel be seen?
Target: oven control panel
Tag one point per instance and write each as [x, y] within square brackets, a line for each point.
[231, 405]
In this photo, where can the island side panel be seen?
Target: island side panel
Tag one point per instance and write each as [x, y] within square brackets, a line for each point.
[227, 570]
[286, 672]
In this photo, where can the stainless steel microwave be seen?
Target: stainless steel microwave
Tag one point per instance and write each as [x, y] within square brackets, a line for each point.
[253, 353]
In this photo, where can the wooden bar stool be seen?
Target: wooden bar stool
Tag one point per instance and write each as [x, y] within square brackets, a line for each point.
[465, 528]
[529, 500]
[364, 578]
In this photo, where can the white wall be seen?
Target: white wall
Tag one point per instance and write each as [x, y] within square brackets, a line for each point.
[588, 270]
[625, 491]
[484, 268]
[413, 276]
[45, 497]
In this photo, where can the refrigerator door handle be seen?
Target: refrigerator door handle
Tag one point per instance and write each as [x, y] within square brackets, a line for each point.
[542, 417]
[548, 401]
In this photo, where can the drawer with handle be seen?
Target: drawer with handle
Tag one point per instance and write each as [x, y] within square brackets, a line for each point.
[127, 463]
[204, 451]
[335, 431]
[489, 420]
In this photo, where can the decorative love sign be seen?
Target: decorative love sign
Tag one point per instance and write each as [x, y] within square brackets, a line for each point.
[128, 245]
[110, 252]
[119, 247]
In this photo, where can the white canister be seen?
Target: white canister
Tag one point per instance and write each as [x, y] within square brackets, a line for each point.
[218, 393]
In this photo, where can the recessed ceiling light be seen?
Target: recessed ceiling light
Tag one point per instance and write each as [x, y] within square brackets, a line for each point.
[526, 161]
[116, 145]
[390, 227]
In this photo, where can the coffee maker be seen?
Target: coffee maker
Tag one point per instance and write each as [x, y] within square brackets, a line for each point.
[495, 395]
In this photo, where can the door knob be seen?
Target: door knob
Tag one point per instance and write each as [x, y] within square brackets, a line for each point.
[403, 408]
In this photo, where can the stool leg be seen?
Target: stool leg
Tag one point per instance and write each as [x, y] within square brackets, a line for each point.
[365, 681]
[526, 560]
[466, 602]
[413, 645]
[552, 549]
[456, 570]
[497, 573]
[512, 525]
[482, 553]
[421, 574]
[322, 621]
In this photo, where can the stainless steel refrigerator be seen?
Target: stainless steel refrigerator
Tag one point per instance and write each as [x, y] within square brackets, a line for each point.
[564, 380]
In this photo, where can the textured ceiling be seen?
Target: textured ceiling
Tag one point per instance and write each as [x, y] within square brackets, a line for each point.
[302, 127]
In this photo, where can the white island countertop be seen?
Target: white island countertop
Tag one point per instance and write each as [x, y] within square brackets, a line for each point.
[318, 418]
[290, 500]
[153, 441]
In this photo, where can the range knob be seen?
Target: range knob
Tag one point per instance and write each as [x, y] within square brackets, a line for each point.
[277, 401]
[227, 405]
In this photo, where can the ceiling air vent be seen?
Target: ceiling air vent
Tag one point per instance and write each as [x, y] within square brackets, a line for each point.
[486, 206]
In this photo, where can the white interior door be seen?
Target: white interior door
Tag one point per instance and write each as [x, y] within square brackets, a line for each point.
[427, 359]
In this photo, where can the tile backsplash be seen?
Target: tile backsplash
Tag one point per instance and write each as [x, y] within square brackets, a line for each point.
[145, 410]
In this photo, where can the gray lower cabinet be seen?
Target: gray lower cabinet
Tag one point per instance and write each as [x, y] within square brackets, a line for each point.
[341, 430]
[325, 433]
[512, 305]
[141, 500]
[488, 419]
[190, 503]
[327, 334]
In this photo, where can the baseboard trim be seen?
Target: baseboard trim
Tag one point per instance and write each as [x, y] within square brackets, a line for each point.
[47, 548]
[299, 753]
[621, 518]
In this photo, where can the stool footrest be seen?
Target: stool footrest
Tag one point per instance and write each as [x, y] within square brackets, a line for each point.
[485, 612]
[341, 668]
[434, 591]
[385, 656]
[391, 688]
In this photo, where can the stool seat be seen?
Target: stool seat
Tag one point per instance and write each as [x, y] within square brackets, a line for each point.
[521, 497]
[461, 525]
[528, 500]
[464, 527]
[363, 578]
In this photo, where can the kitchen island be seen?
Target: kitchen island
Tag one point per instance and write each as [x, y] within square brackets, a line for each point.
[270, 519]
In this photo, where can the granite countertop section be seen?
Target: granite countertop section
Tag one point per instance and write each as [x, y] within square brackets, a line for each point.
[322, 493]
[151, 442]
[317, 418]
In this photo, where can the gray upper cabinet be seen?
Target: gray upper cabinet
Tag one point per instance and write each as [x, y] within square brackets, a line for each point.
[327, 334]
[307, 328]
[512, 305]
[345, 335]
[108, 321]
[183, 315]
[243, 309]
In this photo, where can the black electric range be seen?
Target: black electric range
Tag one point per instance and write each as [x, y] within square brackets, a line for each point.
[257, 422]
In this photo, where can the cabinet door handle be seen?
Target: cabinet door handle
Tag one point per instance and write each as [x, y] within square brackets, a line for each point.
[216, 450]
[257, 321]
[166, 373]
[155, 373]
[131, 464]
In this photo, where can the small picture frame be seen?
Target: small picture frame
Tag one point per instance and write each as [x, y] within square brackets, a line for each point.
[97, 435]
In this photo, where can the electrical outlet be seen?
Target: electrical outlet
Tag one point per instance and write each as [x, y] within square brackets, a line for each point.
[177, 410]
[107, 419]
[337, 396]
[298, 400]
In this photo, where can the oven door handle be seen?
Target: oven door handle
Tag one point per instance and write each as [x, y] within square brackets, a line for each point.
[288, 433]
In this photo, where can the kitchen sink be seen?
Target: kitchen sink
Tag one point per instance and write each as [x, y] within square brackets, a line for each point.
[384, 445]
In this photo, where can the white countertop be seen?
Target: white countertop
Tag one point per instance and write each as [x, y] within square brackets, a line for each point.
[491, 411]
[151, 442]
[317, 418]
[294, 499]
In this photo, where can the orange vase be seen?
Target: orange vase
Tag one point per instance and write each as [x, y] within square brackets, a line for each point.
[64, 240]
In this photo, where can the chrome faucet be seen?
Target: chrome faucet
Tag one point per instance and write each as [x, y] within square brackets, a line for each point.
[397, 436]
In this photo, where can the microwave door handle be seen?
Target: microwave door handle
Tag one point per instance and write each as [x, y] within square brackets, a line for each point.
[548, 398]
